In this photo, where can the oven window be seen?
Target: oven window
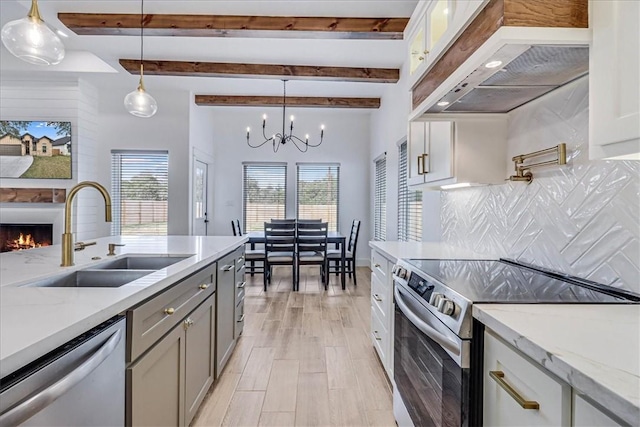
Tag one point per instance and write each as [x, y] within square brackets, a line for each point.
[433, 387]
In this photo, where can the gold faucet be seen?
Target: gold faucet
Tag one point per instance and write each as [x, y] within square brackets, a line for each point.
[67, 237]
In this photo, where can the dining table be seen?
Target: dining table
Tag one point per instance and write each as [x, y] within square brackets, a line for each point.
[333, 237]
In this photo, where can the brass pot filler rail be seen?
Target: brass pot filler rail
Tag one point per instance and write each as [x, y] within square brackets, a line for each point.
[523, 172]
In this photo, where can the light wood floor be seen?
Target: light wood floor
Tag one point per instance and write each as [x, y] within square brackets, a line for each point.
[305, 358]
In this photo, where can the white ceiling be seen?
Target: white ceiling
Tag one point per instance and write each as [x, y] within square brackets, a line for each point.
[108, 49]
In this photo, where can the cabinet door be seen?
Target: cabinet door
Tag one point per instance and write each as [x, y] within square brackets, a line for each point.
[614, 87]
[239, 320]
[417, 53]
[415, 152]
[528, 381]
[587, 415]
[438, 20]
[156, 383]
[199, 355]
[439, 161]
[225, 311]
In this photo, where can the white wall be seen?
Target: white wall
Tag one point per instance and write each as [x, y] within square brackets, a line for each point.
[581, 219]
[346, 142]
[167, 130]
[62, 100]
[389, 126]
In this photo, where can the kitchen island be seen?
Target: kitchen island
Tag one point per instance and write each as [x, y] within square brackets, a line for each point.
[36, 320]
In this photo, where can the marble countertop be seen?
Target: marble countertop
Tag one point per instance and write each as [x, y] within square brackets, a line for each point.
[595, 349]
[34, 321]
[426, 250]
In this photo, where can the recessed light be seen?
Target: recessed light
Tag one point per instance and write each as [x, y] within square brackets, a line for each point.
[493, 64]
[452, 186]
[443, 103]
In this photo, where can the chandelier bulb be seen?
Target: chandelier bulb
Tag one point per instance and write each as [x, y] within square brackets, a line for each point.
[292, 117]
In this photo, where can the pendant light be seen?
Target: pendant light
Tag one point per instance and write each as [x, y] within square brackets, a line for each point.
[31, 39]
[139, 102]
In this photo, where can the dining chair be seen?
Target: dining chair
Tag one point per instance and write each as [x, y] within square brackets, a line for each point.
[280, 249]
[235, 227]
[312, 247]
[335, 255]
[283, 221]
[250, 255]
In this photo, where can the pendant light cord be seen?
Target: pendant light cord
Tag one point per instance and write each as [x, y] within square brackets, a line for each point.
[141, 31]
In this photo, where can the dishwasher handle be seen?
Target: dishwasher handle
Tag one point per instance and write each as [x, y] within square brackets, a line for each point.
[44, 398]
[445, 342]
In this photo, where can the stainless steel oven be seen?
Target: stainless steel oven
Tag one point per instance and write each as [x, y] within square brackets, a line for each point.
[431, 366]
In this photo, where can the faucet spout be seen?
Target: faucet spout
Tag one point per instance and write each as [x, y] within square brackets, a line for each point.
[67, 237]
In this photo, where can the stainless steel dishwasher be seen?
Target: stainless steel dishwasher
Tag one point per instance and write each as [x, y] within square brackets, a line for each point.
[81, 383]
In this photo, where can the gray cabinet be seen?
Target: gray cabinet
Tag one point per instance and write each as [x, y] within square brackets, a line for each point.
[225, 309]
[156, 383]
[200, 328]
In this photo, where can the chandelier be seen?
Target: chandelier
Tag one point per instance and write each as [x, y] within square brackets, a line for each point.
[278, 139]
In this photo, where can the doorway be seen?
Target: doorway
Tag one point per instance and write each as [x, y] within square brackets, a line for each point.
[200, 197]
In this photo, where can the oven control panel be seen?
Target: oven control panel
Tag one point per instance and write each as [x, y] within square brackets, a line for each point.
[421, 286]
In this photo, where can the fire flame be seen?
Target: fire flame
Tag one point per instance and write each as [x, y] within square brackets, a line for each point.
[26, 242]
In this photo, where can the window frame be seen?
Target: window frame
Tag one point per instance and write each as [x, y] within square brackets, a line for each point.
[319, 166]
[380, 198]
[265, 166]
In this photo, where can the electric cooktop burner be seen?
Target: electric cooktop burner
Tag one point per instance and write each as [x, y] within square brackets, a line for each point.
[505, 281]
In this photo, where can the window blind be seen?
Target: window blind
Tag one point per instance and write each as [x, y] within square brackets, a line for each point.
[380, 201]
[318, 193]
[264, 194]
[409, 203]
[139, 191]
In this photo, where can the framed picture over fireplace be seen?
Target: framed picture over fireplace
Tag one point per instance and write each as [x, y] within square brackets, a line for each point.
[35, 149]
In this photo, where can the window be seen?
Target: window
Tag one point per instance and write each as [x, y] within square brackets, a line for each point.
[140, 190]
[318, 192]
[264, 189]
[44, 147]
[409, 203]
[380, 200]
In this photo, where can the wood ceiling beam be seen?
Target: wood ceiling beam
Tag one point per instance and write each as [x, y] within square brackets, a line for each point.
[292, 101]
[317, 27]
[292, 72]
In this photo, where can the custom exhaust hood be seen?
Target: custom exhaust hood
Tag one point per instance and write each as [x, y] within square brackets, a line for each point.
[504, 59]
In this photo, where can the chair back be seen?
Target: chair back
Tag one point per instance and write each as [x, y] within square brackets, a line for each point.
[235, 227]
[310, 220]
[283, 221]
[279, 237]
[312, 237]
[353, 237]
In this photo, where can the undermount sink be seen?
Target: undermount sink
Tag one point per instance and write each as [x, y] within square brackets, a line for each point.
[92, 279]
[140, 262]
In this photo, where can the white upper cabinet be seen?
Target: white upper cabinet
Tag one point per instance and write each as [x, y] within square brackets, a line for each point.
[433, 26]
[444, 152]
[614, 80]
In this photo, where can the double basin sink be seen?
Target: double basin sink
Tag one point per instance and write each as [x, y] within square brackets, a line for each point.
[110, 274]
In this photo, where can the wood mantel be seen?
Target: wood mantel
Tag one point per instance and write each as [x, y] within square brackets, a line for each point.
[495, 15]
[32, 195]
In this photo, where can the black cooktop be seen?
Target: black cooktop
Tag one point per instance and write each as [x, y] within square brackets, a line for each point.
[504, 281]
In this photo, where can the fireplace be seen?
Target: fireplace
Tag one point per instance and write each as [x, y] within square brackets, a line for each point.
[17, 237]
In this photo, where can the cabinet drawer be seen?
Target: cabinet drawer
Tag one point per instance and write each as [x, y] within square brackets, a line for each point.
[379, 337]
[240, 285]
[380, 297]
[239, 256]
[151, 320]
[528, 381]
[379, 266]
[239, 320]
[585, 414]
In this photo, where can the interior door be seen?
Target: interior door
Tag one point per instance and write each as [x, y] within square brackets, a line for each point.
[200, 192]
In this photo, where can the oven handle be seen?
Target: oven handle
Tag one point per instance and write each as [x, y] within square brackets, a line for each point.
[445, 342]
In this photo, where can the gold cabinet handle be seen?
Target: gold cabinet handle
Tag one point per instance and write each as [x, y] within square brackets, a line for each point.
[188, 323]
[377, 297]
[375, 335]
[204, 286]
[241, 285]
[227, 268]
[420, 165]
[376, 265]
[498, 377]
[169, 311]
[241, 319]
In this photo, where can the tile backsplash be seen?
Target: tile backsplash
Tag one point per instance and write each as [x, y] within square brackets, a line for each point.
[582, 219]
